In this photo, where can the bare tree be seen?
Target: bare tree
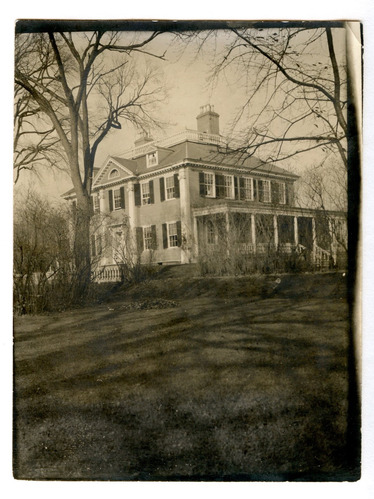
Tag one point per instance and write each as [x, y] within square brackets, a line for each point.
[34, 143]
[296, 89]
[42, 255]
[85, 85]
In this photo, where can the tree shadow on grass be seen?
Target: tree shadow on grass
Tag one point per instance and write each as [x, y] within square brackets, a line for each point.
[200, 393]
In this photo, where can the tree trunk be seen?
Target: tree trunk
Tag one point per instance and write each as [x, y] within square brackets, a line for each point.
[82, 258]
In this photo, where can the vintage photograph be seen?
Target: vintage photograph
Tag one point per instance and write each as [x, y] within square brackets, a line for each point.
[187, 250]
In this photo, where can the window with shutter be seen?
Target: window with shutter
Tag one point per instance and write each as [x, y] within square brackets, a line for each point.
[146, 194]
[170, 187]
[172, 235]
[225, 186]
[246, 189]
[207, 184]
[117, 199]
[147, 237]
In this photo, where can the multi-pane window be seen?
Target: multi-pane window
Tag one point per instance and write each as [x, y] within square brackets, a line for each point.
[148, 237]
[172, 235]
[228, 183]
[264, 191]
[208, 185]
[117, 199]
[246, 189]
[224, 186]
[170, 187]
[146, 193]
[152, 159]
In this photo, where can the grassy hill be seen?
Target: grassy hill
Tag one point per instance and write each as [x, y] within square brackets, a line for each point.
[187, 378]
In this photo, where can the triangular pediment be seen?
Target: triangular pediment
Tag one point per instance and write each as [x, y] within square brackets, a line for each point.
[113, 170]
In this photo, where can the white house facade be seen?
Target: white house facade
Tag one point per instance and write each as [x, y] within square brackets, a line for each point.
[169, 201]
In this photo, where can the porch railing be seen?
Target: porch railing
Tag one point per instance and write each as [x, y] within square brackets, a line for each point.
[181, 136]
[322, 258]
[107, 273]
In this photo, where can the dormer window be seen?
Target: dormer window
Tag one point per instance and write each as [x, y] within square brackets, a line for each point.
[152, 159]
[113, 173]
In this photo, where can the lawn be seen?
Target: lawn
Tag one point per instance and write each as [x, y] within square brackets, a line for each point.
[235, 379]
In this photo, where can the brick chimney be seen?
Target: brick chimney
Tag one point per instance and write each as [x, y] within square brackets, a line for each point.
[208, 120]
[143, 139]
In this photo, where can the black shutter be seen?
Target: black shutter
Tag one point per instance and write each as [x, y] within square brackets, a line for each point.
[154, 237]
[289, 194]
[164, 236]
[255, 190]
[201, 183]
[162, 189]
[179, 233]
[236, 187]
[260, 190]
[274, 189]
[176, 186]
[151, 192]
[137, 195]
[110, 194]
[93, 246]
[139, 240]
[241, 188]
[122, 194]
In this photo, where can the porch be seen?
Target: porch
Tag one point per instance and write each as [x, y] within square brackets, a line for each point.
[293, 238]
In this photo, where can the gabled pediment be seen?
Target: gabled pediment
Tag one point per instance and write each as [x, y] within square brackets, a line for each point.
[114, 169]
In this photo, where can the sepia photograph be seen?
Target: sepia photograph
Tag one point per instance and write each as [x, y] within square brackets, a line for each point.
[186, 250]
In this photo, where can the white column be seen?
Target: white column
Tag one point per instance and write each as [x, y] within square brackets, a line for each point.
[132, 209]
[275, 218]
[195, 237]
[314, 239]
[332, 240]
[296, 231]
[186, 218]
[253, 230]
[132, 217]
[227, 220]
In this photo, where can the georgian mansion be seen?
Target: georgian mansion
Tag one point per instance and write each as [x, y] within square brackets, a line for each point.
[173, 200]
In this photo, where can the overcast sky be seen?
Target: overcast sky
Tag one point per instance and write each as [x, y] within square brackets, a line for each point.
[185, 75]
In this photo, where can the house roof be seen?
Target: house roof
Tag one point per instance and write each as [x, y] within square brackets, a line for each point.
[207, 153]
[187, 151]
